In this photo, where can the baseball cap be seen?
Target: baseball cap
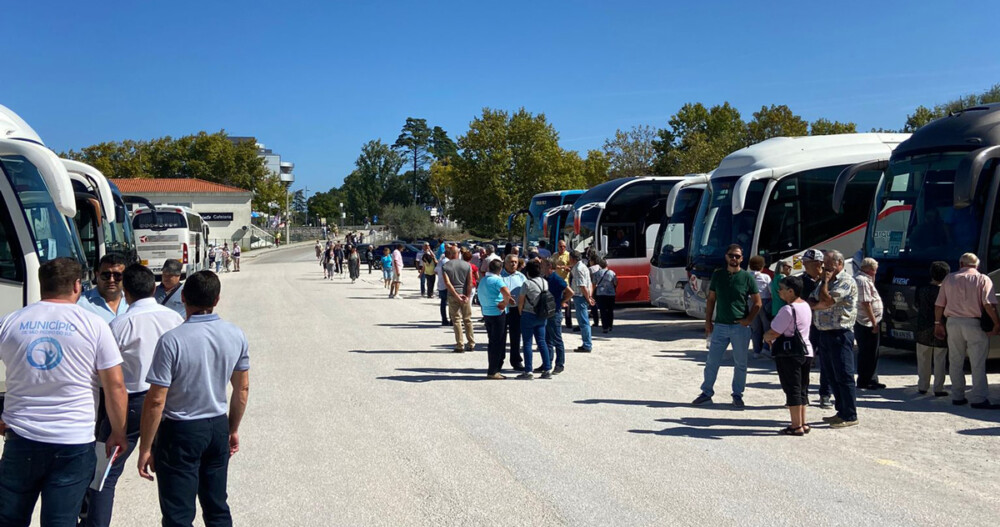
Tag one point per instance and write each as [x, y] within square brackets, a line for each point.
[812, 255]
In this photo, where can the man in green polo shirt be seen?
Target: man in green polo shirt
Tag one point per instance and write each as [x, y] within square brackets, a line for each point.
[735, 301]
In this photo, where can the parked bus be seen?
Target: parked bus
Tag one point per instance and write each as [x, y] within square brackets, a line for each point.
[773, 198]
[172, 232]
[620, 219]
[101, 218]
[534, 222]
[937, 200]
[38, 201]
[668, 266]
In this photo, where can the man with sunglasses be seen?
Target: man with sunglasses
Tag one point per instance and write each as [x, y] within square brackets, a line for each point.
[107, 300]
[734, 291]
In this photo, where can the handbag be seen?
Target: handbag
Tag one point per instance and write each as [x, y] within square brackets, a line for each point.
[793, 346]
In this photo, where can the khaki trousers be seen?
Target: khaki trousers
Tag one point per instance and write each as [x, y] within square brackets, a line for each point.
[967, 339]
[461, 314]
[926, 355]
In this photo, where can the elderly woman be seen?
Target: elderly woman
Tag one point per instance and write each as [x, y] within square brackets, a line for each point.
[533, 327]
[793, 368]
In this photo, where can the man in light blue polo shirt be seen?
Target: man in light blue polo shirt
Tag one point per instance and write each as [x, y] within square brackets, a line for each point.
[107, 300]
[188, 392]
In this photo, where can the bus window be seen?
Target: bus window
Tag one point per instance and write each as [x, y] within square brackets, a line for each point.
[792, 221]
[621, 240]
[164, 221]
[9, 266]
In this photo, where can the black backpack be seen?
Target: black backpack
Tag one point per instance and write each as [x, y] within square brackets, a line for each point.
[545, 304]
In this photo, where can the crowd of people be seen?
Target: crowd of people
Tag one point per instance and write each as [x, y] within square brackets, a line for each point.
[163, 359]
[825, 313]
[221, 258]
[825, 316]
[524, 299]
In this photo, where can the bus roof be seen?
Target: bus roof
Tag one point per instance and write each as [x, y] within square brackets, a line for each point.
[557, 193]
[603, 192]
[778, 157]
[91, 177]
[969, 129]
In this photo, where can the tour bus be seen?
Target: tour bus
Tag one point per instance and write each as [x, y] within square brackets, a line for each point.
[535, 214]
[937, 200]
[668, 266]
[172, 232]
[773, 199]
[35, 220]
[620, 218]
[101, 217]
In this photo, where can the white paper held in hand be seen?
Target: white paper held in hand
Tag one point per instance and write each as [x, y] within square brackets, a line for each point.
[103, 467]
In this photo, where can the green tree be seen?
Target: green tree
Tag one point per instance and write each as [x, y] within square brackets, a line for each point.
[413, 143]
[442, 183]
[506, 159]
[923, 115]
[697, 138]
[376, 171]
[776, 121]
[828, 127]
[326, 205]
[441, 147]
[631, 152]
[408, 223]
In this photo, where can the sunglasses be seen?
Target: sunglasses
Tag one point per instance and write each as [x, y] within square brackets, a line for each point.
[735, 256]
[108, 275]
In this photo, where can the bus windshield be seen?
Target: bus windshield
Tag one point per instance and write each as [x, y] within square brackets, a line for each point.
[716, 228]
[52, 234]
[588, 224]
[672, 238]
[540, 204]
[118, 236]
[164, 221]
[915, 216]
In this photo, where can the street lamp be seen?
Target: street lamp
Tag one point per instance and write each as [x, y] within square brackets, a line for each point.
[342, 216]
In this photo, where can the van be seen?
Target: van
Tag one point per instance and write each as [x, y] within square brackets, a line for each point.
[171, 232]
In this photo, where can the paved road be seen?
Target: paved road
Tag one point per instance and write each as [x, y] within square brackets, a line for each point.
[360, 415]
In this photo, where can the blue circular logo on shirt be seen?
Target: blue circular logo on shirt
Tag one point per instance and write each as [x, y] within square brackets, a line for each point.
[44, 353]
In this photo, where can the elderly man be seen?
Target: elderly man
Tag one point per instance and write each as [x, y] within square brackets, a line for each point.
[560, 262]
[168, 293]
[866, 328]
[965, 295]
[834, 314]
[734, 299]
[107, 300]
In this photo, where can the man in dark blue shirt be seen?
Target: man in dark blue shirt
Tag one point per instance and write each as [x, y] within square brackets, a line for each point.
[553, 326]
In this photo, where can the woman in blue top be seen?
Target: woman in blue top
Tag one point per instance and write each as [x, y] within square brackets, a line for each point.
[494, 297]
[387, 267]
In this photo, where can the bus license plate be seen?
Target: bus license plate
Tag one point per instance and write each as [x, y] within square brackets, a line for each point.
[902, 335]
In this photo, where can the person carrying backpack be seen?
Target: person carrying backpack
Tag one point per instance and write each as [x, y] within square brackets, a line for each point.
[536, 305]
[605, 288]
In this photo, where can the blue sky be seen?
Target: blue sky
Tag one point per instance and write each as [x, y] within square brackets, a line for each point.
[316, 80]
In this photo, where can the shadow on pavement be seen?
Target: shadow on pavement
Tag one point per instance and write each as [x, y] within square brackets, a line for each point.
[668, 404]
[438, 374]
[706, 428]
[375, 352]
[981, 432]
[416, 325]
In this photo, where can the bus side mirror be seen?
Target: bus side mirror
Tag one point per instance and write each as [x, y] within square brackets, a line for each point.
[967, 175]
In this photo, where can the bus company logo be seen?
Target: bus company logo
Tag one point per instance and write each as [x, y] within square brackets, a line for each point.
[44, 353]
[900, 281]
[142, 239]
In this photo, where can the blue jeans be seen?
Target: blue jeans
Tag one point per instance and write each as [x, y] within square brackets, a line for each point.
[583, 320]
[99, 505]
[553, 338]
[532, 326]
[837, 351]
[60, 473]
[443, 296]
[423, 278]
[722, 337]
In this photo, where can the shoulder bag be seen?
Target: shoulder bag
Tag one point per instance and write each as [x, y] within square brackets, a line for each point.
[789, 347]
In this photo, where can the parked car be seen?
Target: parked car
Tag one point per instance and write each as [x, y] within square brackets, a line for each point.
[409, 252]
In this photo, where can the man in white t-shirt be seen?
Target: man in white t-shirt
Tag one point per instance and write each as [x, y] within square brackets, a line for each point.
[136, 332]
[54, 351]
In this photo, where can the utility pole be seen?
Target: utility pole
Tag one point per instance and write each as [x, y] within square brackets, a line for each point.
[305, 195]
[288, 219]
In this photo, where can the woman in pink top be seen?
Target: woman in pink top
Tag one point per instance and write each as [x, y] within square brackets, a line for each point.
[793, 371]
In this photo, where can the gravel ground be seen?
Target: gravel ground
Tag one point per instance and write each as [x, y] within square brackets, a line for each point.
[359, 414]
